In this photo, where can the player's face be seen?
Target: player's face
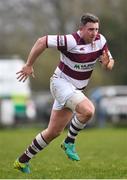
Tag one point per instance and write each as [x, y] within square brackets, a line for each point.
[89, 32]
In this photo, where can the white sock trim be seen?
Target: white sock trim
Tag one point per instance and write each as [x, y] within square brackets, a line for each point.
[34, 147]
[73, 137]
[27, 152]
[73, 130]
[77, 123]
[41, 141]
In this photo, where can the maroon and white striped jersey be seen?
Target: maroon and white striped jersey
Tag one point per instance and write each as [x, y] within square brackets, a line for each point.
[77, 59]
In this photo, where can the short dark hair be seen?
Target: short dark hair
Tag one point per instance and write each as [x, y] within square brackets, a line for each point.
[88, 17]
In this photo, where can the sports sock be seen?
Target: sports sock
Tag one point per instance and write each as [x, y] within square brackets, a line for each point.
[74, 129]
[37, 145]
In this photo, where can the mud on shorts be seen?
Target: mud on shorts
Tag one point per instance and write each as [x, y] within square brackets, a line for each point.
[64, 93]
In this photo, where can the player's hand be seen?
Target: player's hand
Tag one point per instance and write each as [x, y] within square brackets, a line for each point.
[110, 64]
[25, 72]
[105, 59]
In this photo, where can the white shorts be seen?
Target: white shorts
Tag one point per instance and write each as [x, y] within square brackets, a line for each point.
[64, 93]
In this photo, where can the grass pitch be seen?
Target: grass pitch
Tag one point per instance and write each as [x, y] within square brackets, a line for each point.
[103, 154]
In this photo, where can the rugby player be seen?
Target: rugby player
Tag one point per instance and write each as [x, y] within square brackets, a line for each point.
[79, 53]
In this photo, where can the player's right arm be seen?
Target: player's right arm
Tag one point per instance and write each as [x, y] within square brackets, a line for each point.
[27, 70]
[60, 42]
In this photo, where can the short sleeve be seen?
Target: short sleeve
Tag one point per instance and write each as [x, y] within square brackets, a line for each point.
[51, 41]
[61, 42]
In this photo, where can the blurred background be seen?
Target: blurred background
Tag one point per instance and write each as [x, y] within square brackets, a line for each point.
[22, 23]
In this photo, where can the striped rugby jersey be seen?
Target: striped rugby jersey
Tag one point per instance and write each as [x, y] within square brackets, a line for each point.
[77, 59]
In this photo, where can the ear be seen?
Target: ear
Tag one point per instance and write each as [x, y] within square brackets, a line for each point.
[80, 27]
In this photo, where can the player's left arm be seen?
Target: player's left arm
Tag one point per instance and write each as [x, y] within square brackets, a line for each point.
[106, 60]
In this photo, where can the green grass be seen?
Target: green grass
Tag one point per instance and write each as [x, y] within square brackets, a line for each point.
[103, 154]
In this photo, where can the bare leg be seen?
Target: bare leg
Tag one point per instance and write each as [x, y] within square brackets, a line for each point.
[58, 121]
[84, 112]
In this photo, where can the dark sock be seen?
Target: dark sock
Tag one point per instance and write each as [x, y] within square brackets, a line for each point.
[69, 140]
[24, 158]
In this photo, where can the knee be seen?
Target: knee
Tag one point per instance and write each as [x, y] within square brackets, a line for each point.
[85, 113]
[88, 112]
